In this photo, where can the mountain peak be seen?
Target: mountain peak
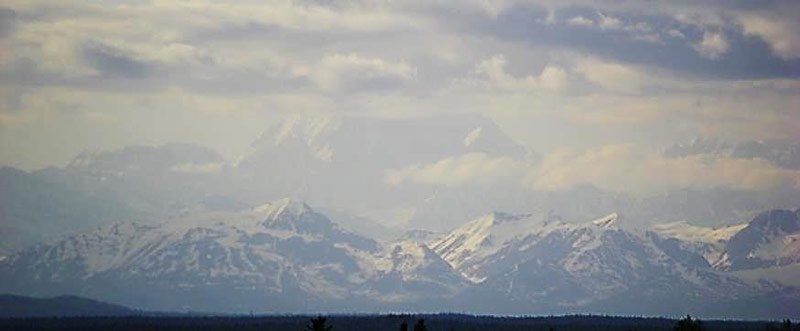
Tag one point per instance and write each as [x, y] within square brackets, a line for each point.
[295, 216]
[283, 206]
[498, 217]
[765, 241]
[608, 221]
[777, 220]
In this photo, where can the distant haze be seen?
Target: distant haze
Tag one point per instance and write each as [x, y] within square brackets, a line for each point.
[419, 128]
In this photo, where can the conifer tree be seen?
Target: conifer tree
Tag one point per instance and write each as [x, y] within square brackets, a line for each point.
[318, 324]
[689, 324]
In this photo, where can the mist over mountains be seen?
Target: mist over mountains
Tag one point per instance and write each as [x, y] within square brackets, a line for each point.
[366, 171]
[440, 220]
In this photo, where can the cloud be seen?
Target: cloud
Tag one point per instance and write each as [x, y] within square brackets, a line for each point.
[472, 136]
[352, 71]
[643, 38]
[621, 168]
[198, 168]
[783, 36]
[72, 64]
[675, 33]
[493, 75]
[626, 168]
[604, 22]
[8, 21]
[712, 45]
[608, 22]
[114, 62]
[611, 76]
[580, 21]
[458, 171]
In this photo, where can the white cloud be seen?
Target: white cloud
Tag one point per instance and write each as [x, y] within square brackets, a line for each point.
[580, 21]
[552, 78]
[389, 59]
[712, 46]
[472, 136]
[622, 168]
[640, 31]
[456, 171]
[700, 18]
[607, 22]
[675, 33]
[612, 76]
[625, 168]
[341, 71]
[783, 36]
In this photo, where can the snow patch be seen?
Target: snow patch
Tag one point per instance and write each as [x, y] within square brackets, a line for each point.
[472, 136]
[684, 231]
[608, 221]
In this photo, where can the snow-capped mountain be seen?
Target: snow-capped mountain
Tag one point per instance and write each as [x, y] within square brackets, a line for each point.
[468, 247]
[339, 164]
[771, 239]
[542, 261]
[285, 256]
[707, 241]
[281, 255]
[412, 268]
[318, 158]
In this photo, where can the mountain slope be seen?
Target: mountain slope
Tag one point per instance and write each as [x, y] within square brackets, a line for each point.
[33, 208]
[771, 239]
[542, 262]
[284, 256]
[281, 256]
[706, 241]
[64, 306]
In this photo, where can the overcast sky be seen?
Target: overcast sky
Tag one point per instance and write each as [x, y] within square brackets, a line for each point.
[581, 83]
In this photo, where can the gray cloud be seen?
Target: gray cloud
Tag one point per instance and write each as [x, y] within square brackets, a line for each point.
[115, 63]
[747, 57]
[632, 72]
[8, 21]
[785, 154]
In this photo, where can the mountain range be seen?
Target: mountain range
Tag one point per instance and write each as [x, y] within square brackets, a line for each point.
[178, 227]
[284, 256]
[341, 166]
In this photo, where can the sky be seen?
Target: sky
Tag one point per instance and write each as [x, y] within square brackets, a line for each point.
[596, 89]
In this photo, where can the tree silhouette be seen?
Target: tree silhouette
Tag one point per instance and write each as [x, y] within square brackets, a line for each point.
[318, 324]
[420, 326]
[404, 326]
[787, 325]
[688, 324]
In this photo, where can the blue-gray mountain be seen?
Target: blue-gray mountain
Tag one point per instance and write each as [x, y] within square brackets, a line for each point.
[14, 306]
[281, 256]
[772, 239]
[285, 257]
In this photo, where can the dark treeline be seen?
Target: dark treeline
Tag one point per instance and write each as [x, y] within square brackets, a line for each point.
[438, 322]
